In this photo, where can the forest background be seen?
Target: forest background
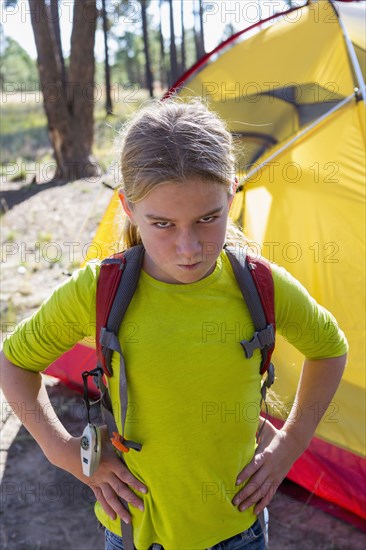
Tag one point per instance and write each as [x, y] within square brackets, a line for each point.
[97, 60]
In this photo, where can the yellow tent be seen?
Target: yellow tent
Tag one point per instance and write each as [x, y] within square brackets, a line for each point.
[292, 91]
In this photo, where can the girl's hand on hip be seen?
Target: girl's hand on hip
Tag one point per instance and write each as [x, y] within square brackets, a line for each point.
[110, 481]
[272, 460]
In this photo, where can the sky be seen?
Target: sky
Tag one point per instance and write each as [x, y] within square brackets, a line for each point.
[16, 21]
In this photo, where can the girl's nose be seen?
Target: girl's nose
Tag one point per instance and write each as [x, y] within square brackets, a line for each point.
[189, 247]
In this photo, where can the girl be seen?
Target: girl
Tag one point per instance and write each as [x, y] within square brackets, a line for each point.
[200, 481]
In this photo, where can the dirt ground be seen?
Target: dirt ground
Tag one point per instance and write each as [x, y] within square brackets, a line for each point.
[43, 507]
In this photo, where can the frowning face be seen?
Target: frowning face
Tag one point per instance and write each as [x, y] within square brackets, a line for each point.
[182, 227]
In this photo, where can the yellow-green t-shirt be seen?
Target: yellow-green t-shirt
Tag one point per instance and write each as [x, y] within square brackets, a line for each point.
[193, 396]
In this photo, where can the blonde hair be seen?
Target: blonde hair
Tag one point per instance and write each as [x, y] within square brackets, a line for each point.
[169, 142]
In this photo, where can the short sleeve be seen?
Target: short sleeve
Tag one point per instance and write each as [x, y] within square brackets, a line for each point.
[64, 319]
[305, 324]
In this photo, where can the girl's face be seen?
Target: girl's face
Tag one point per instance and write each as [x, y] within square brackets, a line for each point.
[182, 227]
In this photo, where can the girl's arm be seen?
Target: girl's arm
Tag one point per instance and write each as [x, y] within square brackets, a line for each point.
[278, 449]
[26, 394]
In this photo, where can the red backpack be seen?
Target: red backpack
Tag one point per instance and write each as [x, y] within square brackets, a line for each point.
[117, 283]
[118, 280]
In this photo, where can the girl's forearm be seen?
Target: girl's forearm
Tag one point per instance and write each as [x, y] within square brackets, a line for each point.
[26, 394]
[278, 449]
[318, 383]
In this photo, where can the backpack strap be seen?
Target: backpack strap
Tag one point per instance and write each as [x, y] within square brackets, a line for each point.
[109, 277]
[116, 286]
[114, 294]
[117, 283]
[109, 420]
[254, 277]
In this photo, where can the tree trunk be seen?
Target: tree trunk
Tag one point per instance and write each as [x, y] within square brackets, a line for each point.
[149, 79]
[173, 49]
[202, 34]
[163, 76]
[55, 18]
[108, 103]
[183, 38]
[69, 110]
[195, 33]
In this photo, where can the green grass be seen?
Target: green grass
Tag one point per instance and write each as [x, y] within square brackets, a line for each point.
[24, 131]
[22, 116]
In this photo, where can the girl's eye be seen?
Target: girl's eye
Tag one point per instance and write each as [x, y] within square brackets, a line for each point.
[162, 225]
[165, 225]
[208, 219]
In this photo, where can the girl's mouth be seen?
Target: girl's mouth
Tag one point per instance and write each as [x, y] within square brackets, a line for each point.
[189, 267]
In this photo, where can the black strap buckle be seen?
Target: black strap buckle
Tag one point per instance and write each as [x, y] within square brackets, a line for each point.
[261, 339]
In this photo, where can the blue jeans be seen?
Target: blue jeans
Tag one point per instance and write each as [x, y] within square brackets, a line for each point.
[251, 539]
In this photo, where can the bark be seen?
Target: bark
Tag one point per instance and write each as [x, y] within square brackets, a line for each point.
[108, 104]
[69, 109]
[163, 76]
[195, 33]
[183, 38]
[149, 78]
[173, 49]
[55, 19]
[201, 33]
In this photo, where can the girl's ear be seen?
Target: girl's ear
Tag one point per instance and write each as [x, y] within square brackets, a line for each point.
[126, 205]
[234, 187]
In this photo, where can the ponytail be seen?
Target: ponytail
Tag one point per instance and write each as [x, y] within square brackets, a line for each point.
[130, 234]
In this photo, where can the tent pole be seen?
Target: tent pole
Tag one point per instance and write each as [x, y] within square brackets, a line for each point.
[296, 138]
[352, 54]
